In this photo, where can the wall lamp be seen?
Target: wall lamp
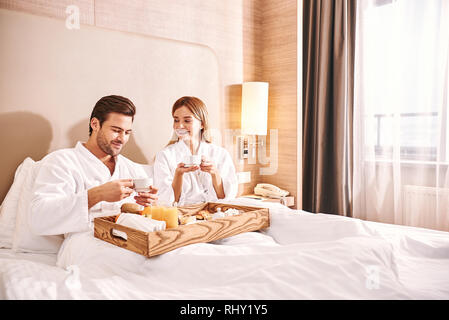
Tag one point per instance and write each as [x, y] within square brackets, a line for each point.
[254, 117]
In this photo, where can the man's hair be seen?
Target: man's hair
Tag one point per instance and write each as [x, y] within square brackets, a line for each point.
[109, 104]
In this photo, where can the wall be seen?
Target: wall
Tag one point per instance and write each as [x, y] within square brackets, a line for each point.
[59, 74]
[280, 55]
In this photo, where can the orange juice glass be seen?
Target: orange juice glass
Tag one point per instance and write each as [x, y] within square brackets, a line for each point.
[171, 217]
[157, 213]
[147, 212]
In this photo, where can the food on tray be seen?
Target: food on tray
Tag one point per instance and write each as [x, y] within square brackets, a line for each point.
[140, 223]
[219, 214]
[131, 208]
[171, 215]
[167, 214]
[207, 216]
[203, 215]
[186, 219]
[231, 212]
[156, 242]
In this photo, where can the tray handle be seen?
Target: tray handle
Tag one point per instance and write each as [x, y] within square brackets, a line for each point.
[122, 235]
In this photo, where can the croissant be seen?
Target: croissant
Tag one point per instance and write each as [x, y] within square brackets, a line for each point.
[131, 208]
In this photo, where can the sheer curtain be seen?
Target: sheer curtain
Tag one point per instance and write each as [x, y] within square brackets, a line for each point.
[401, 144]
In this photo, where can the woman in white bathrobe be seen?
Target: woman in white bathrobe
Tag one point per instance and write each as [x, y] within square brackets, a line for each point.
[213, 179]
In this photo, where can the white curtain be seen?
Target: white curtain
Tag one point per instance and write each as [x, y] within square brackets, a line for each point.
[401, 127]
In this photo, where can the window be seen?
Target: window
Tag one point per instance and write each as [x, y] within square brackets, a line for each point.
[403, 62]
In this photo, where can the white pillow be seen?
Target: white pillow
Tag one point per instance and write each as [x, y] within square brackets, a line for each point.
[24, 239]
[8, 209]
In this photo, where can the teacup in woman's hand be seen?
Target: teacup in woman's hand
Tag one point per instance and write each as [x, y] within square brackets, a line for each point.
[143, 184]
[194, 160]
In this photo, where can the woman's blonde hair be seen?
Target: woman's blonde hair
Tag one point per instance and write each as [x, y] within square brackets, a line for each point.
[198, 108]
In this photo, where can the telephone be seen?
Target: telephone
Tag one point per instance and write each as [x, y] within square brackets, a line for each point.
[269, 190]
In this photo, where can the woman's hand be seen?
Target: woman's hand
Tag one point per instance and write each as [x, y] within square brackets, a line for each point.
[181, 169]
[177, 179]
[208, 166]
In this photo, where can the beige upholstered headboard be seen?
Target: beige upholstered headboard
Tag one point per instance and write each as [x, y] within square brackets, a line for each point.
[51, 77]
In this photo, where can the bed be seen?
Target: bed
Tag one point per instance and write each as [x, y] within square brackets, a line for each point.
[301, 256]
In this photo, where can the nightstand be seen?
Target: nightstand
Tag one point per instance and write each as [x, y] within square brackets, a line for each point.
[288, 201]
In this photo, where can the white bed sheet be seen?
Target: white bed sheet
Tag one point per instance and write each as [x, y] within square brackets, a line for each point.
[301, 256]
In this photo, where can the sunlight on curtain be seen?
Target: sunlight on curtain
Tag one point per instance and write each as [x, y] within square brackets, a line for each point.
[401, 144]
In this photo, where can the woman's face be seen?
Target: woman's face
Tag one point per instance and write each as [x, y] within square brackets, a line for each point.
[185, 124]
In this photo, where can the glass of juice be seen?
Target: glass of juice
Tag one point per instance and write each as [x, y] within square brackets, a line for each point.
[157, 213]
[147, 212]
[171, 217]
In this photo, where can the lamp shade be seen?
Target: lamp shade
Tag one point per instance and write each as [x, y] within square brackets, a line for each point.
[254, 108]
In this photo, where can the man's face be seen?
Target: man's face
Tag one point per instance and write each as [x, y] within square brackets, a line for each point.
[114, 133]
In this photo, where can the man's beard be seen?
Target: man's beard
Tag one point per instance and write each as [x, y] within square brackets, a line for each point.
[105, 146]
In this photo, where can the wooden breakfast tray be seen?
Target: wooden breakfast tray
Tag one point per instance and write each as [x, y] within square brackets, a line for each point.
[155, 243]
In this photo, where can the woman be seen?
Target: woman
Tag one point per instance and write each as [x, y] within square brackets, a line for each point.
[213, 179]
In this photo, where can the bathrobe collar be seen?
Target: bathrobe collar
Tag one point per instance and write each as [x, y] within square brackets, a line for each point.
[185, 148]
[86, 153]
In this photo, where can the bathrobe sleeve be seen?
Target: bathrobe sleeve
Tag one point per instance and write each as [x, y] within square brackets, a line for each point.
[59, 204]
[228, 175]
[163, 178]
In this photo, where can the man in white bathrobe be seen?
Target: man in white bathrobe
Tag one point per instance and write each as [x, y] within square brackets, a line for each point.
[73, 186]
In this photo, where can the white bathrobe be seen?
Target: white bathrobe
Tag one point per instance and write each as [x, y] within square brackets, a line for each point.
[196, 186]
[59, 204]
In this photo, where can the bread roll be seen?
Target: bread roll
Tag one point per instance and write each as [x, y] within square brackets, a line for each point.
[186, 219]
[131, 208]
[203, 215]
[206, 214]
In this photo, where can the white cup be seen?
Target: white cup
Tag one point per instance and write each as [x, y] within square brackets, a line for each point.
[143, 184]
[194, 160]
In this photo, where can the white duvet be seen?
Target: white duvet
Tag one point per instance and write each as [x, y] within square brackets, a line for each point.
[301, 256]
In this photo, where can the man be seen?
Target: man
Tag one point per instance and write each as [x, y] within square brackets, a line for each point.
[75, 185]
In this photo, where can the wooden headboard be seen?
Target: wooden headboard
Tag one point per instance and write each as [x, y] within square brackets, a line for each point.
[51, 77]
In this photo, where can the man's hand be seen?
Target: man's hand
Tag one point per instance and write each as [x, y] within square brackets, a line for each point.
[147, 198]
[111, 191]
